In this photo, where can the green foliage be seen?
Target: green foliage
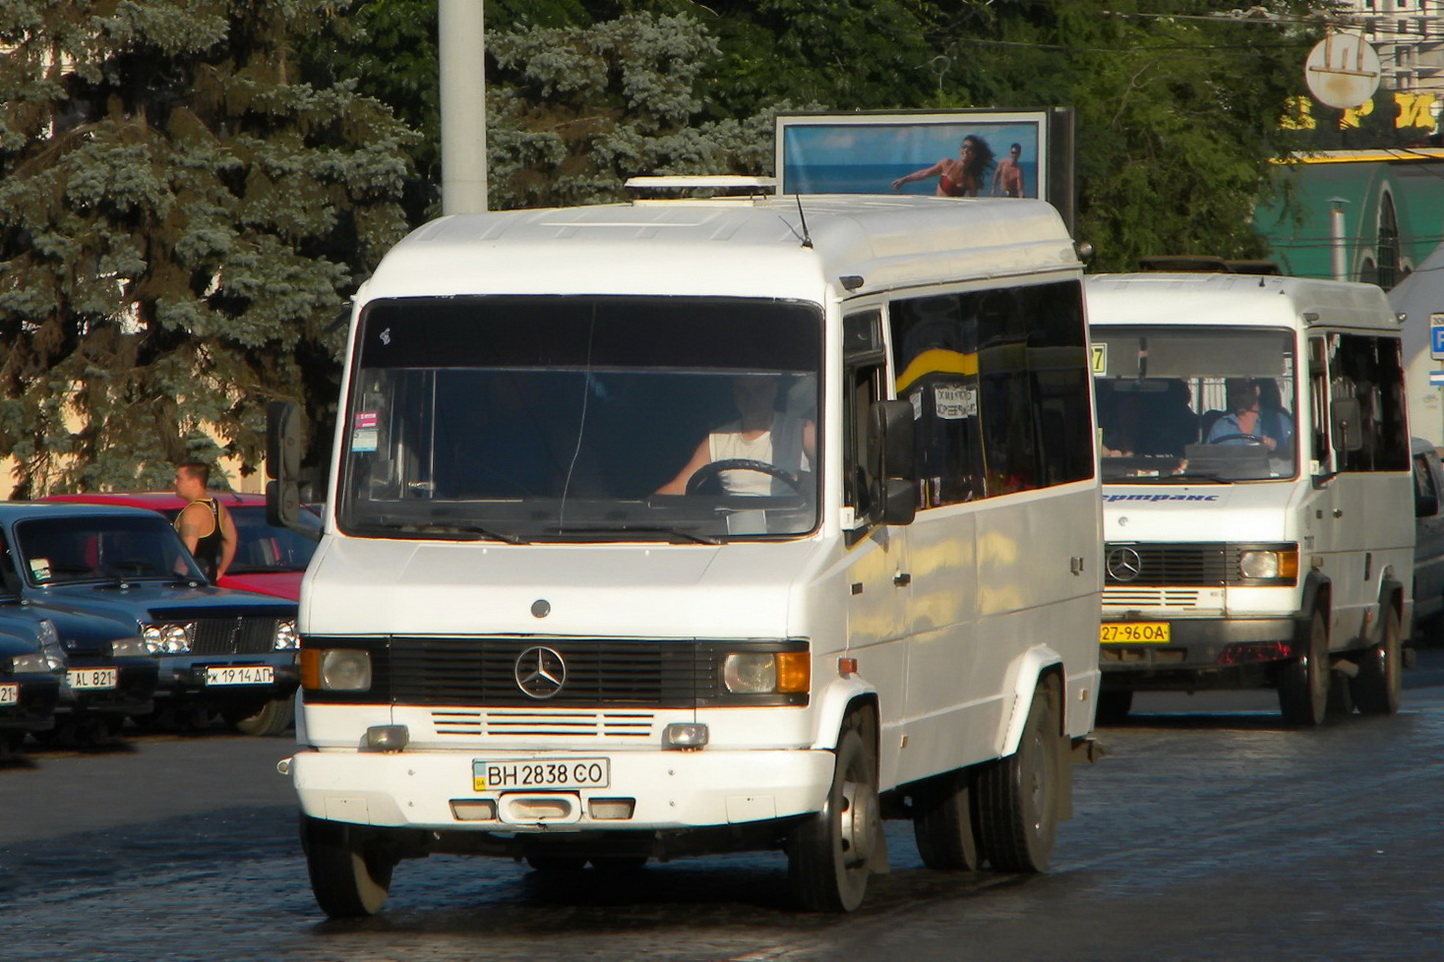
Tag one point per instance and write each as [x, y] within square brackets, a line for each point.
[577, 110]
[181, 218]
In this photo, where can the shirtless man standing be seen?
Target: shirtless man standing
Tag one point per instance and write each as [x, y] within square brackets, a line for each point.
[204, 524]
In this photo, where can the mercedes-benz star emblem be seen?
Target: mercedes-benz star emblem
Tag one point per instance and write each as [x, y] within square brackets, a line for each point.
[1124, 564]
[540, 672]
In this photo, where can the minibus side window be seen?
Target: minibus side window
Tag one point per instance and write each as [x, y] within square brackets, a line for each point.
[1369, 370]
[864, 380]
[999, 381]
[1319, 403]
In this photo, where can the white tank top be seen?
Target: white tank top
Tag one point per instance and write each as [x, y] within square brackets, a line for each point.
[728, 443]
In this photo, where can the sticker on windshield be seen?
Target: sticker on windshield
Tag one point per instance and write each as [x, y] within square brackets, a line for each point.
[1100, 357]
[40, 568]
[956, 401]
[364, 432]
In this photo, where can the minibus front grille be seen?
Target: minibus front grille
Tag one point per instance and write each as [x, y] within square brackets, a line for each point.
[484, 672]
[542, 723]
[1120, 597]
[1165, 565]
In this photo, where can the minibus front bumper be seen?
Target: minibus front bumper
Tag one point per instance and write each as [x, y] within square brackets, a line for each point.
[1196, 649]
[643, 790]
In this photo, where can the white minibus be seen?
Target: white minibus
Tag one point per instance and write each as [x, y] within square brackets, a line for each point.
[687, 526]
[1257, 502]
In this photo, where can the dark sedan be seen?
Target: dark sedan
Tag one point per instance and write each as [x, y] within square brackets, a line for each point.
[217, 650]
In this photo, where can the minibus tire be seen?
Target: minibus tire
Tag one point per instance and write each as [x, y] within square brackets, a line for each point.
[349, 877]
[1018, 803]
[830, 854]
[1304, 682]
[943, 823]
[1376, 688]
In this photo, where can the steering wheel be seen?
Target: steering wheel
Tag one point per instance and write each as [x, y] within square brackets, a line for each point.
[712, 469]
[1250, 438]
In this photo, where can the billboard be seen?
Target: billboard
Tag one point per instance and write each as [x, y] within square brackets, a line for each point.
[958, 153]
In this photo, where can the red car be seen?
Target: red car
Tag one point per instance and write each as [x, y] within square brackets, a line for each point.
[269, 560]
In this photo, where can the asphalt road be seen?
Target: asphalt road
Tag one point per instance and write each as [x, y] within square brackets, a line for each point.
[1209, 831]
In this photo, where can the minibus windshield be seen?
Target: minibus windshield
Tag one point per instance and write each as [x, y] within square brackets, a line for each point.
[1195, 404]
[583, 419]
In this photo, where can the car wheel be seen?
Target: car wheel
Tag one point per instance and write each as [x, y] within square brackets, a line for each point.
[1020, 798]
[830, 854]
[350, 870]
[1376, 688]
[271, 719]
[1304, 681]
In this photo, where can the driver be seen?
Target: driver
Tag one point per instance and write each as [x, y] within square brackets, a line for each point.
[762, 433]
[1243, 424]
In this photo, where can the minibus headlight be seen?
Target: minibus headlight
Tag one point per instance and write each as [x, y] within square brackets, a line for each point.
[167, 639]
[766, 672]
[335, 669]
[1269, 564]
[286, 638]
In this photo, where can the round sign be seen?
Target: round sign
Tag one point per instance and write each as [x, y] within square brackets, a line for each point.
[1342, 70]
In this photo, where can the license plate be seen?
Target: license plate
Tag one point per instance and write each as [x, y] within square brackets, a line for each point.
[92, 678]
[550, 773]
[1135, 633]
[9, 694]
[240, 675]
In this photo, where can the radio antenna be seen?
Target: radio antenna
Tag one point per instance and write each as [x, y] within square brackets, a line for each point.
[806, 237]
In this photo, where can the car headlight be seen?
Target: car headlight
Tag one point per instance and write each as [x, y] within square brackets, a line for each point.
[49, 659]
[286, 638]
[335, 669]
[766, 672]
[131, 647]
[168, 639]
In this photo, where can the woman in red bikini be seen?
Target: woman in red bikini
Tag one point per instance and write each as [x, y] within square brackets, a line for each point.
[957, 178]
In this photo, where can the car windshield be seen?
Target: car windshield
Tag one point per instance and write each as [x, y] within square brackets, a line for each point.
[264, 549]
[102, 548]
[1188, 404]
[562, 418]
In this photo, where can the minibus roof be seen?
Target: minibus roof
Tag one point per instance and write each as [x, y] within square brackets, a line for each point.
[1235, 299]
[733, 246]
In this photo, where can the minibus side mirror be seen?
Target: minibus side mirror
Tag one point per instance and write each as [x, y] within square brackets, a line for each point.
[283, 466]
[1346, 418]
[890, 439]
[1426, 505]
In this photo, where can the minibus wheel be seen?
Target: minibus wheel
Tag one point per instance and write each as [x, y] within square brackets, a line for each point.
[1304, 682]
[943, 823]
[1376, 688]
[1019, 798]
[830, 854]
[349, 867]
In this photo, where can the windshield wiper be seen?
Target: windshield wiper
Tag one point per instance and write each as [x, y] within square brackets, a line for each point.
[467, 532]
[675, 535]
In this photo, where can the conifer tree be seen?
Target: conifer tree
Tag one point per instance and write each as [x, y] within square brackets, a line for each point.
[182, 216]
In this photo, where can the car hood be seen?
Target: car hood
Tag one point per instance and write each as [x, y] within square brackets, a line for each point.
[279, 584]
[155, 601]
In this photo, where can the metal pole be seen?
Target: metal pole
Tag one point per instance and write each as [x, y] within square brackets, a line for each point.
[1339, 253]
[461, 50]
